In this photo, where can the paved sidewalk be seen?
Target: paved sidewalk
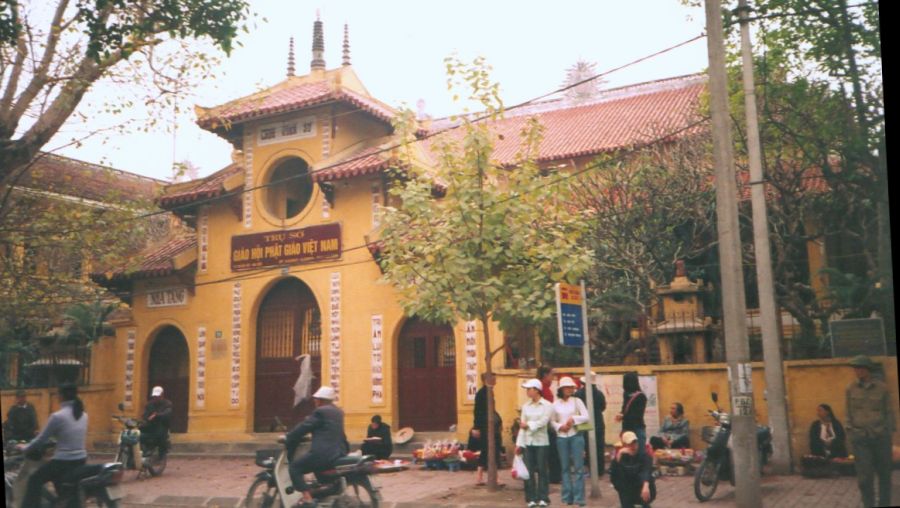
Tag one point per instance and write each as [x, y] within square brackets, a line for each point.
[222, 483]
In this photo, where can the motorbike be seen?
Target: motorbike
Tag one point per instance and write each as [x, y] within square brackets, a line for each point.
[718, 463]
[349, 484]
[152, 461]
[88, 485]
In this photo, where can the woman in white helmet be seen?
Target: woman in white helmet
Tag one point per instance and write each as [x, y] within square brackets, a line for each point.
[329, 443]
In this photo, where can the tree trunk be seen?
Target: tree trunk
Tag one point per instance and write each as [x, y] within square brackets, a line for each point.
[491, 434]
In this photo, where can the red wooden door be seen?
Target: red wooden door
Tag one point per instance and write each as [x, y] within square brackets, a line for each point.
[289, 324]
[427, 376]
[168, 368]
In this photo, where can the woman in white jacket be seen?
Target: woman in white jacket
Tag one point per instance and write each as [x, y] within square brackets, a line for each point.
[533, 443]
[569, 411]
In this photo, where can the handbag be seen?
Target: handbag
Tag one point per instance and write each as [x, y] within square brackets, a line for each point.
[582, 427]
[519, 470]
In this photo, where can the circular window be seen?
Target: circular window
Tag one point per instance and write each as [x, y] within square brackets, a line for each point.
[289, 188]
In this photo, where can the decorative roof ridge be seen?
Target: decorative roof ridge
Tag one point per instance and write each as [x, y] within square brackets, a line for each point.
[97, 167]
[604, 96]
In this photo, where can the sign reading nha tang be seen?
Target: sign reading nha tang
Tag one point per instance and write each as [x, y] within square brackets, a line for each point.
[291, 247]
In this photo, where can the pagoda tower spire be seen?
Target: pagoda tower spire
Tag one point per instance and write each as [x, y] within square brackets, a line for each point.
[346, 60]
[318, 46]
[290, 61]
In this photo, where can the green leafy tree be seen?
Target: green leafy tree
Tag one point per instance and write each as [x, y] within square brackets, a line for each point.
[651, 208]
[819, 89]
[492, 248]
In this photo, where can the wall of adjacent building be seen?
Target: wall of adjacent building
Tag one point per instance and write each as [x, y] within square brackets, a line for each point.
[808, 382]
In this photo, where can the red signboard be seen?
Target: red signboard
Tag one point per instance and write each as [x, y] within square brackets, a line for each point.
[291, 247]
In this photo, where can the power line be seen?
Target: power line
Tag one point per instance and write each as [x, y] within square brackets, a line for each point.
[394, 146]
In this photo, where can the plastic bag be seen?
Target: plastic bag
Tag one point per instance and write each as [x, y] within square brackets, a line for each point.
[519, 470]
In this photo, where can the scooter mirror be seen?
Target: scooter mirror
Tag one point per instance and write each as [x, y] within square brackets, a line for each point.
[715, 397]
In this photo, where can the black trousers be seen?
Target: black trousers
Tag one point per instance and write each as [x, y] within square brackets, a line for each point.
[657, 443]
[307, 463]
[155, 435]
[555, 468]
[53, 471]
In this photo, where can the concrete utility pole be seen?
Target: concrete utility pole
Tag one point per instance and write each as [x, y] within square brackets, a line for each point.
[776, 398]
[737, 348]
[589, 398]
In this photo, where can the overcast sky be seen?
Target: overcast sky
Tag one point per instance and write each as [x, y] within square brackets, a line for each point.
[398, 48]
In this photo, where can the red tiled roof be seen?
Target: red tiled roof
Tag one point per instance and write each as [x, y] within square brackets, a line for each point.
[71, 177]
[616, 119]
[204, 188]
[363, 162]
[291, 98]
[156, 260]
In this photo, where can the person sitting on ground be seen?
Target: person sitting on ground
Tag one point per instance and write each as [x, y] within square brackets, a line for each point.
[631, 474]
[378, 439]
[826, 435]
[675, 431]
[329, 443]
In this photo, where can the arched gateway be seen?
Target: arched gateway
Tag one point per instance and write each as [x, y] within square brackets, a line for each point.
[289, 324]
[168, 368]
[426, 368]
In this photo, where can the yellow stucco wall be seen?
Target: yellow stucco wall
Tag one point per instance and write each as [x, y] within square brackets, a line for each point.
[210, 305]
[808, 383]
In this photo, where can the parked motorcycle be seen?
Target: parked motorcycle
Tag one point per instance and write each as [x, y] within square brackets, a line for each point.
[88, 485]
[348, 485]
[718, 463]
[152, 461]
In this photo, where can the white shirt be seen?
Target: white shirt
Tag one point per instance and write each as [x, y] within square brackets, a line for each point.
[563, 410]
[537, 416]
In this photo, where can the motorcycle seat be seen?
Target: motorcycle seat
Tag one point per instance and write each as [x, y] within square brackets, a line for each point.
[352, 460]
[82, 472]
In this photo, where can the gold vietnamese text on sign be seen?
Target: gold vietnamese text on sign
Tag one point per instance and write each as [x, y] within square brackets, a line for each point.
[291, 247]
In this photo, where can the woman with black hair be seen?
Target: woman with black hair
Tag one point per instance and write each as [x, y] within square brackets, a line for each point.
[675, 431]
[68, 427]
[633, 405]
[826, 435]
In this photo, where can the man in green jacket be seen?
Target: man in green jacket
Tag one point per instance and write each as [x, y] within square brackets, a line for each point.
[870, 423]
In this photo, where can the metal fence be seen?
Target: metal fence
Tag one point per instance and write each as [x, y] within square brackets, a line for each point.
[47, 367]
[683, 338]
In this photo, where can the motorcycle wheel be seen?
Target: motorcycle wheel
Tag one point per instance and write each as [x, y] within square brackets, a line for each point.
[706, 479]
[157, 462]
[262, 494]
[123, 456]
[359, 494]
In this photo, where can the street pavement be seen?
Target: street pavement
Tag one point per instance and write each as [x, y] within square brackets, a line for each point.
[222, 482]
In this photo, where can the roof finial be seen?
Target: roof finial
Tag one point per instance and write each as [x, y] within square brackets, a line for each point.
[290, 68]
[318, 46]
[346, 45]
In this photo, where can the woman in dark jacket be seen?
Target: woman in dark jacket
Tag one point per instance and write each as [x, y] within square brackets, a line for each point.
[633, 405]
[826, 435]
[478, 437]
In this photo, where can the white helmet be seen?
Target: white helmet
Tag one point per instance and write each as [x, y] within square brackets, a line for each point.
[325, 393]
[157, 391]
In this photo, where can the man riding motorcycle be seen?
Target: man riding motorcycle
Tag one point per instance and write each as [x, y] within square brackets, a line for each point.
[157, 416]
[329, 443]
